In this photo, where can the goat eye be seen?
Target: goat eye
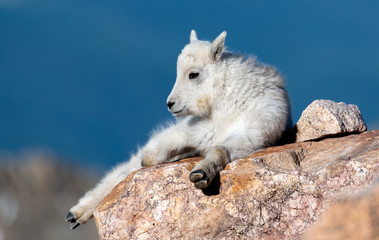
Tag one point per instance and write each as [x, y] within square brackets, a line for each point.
[193, 75]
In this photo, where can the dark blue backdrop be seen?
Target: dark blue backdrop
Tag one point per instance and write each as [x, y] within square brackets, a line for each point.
[89, 79]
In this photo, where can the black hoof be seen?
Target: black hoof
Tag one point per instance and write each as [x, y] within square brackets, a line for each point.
[70, 218]
[200, 178]
[73, 226]
[197, 175]
[202, 184]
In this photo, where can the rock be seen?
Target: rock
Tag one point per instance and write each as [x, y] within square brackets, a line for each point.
[352, 218]
[324, 118]
[276, 193]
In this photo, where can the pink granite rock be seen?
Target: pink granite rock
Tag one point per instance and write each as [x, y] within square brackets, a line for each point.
[276, 193]
[351, 218]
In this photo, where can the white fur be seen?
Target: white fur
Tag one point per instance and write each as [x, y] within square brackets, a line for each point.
[228, 106]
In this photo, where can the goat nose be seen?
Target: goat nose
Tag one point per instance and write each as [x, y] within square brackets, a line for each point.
[170, 104]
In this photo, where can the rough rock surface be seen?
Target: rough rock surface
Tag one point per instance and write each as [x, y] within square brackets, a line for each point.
[323, 118]
[276, 193]
[352, 218]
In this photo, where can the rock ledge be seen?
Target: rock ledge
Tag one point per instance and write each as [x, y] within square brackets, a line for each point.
[273, 194]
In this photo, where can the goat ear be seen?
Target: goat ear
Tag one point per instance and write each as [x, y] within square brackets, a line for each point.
[218, 46]
[193, 36]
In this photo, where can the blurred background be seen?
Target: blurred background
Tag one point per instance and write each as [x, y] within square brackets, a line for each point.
[83, 83]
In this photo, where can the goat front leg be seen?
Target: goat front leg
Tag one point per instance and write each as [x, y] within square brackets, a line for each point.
[83, 210]
[218, 157]
[168, 145]
[204, 172]
[161, 148]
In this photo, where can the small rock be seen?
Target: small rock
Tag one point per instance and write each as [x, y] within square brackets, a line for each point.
[324, 118]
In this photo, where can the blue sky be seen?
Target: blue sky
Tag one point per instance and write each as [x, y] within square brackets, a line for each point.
[89, 79]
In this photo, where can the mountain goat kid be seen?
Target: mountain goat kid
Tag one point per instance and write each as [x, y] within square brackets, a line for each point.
[228, 106]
